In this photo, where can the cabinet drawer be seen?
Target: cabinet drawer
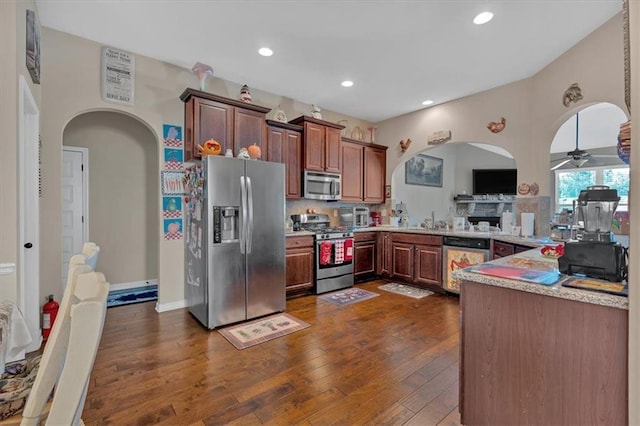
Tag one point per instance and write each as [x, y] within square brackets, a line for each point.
[502, 249]
[301, 241]
[427, 240]
[364, 236]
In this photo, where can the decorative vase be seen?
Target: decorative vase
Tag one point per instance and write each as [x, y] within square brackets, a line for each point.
[315, 112]
[202, 71]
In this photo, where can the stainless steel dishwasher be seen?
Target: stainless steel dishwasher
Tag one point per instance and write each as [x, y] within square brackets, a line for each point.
[459, 253]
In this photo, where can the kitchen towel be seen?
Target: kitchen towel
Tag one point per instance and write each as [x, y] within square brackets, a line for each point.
[339, 252]
[325, 252]
[526, 224]
[348, 250]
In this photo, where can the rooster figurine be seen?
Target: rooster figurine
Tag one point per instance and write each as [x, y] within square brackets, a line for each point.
[497, 127]
[405, 145]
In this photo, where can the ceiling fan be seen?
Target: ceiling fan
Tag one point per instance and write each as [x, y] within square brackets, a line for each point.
[578, 157]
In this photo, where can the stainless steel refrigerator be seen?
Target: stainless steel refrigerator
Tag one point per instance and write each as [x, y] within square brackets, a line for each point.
[234, 240]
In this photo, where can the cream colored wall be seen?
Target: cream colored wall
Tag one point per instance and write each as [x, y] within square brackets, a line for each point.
[72, 68]
[122, 211]
[12, 52]
[533, 107]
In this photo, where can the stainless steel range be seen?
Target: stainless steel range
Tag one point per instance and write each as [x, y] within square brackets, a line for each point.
[333, 251]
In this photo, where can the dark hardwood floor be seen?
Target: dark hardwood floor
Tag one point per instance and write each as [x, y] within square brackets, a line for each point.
[384, 361]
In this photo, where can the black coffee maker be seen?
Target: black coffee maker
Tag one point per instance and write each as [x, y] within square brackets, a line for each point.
[595, 253]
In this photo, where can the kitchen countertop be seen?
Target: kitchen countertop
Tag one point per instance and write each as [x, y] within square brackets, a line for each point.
[557, 290]
[299, 233]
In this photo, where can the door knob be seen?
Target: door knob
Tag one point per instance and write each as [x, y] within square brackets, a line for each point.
[28, 245]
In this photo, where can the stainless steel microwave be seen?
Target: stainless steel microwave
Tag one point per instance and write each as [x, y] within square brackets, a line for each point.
[322, 186]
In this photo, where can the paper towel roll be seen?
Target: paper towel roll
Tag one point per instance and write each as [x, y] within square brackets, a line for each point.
[507, 221]
[526, 224]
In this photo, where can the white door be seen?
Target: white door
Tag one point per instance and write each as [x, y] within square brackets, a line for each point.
[74, 202]
[29, 211]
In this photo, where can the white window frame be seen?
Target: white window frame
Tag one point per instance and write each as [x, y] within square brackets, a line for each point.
[623, 206]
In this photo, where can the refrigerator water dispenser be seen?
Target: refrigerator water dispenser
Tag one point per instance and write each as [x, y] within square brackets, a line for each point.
[225, 224]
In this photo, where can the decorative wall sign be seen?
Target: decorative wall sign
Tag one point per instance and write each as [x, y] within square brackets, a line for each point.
[118, 76]
[33, 46]
[424, 170]
[438, 137]
[572, 94]
[172, 182]
[172, 136]
[497, 127]
[173, 159]
[387, 191]
[172, 229]
[171, 207]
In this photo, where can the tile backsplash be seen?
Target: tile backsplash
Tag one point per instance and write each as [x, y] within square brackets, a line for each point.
[324, 207]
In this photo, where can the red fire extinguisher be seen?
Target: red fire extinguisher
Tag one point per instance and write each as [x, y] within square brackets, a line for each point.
[49, 312]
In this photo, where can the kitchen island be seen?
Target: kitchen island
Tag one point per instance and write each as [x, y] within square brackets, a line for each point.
[540, 354]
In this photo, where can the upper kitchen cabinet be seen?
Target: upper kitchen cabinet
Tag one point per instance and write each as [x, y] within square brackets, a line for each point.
[284, 145]
[322, 144]
[364, 171]
[234, 124]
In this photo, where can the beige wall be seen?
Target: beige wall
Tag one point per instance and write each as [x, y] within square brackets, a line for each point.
[122, 211]
[533, 107]
[12, 64]
[72, 67]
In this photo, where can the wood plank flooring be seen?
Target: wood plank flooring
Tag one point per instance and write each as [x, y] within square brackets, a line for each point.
[389, 360]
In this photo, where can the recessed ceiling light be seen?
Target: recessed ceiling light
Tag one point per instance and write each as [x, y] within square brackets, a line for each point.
[347, 83]
[483, 18]
[265, 51]
[427, 102]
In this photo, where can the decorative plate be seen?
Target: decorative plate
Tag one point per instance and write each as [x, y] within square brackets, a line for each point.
[279, 115]
[357, 134]
[523, 188]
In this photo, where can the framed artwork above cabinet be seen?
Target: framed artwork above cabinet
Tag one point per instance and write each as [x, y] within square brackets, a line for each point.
[234, 124]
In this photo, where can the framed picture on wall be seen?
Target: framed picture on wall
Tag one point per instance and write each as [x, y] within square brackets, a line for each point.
[423, 170]
[33, 47]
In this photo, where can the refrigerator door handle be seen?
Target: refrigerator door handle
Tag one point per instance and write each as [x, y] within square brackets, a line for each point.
[249, 235]
[243, 214]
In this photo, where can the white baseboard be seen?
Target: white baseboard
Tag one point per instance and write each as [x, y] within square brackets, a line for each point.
[164, 307]
[132, 284]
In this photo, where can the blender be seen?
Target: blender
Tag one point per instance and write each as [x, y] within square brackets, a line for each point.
[595, 253]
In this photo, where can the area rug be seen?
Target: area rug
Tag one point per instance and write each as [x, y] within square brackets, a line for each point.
[262, 330]
[406, 290]
[132, 295]
[348, 296]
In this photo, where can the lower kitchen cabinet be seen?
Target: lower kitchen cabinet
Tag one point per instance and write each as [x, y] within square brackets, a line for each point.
[383, 254]
[299, 260]
[364, 255]
[417, 259]
[502, 249]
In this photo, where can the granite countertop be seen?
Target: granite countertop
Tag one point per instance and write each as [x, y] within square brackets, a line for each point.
[556, 290]
[298, 233]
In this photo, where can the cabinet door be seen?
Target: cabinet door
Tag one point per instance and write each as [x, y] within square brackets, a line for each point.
[299, 270]
[428, 265]
[383, 254]
[501, 249]
[352, 172]
[333, 151]
[248, 129]
[402, 261]
[276, 139]
[364, 256]
[212, 120]
[314, 147]
[293, 164]
[374, 174]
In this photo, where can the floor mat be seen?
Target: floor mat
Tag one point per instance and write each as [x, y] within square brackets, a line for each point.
[348, 296]
[262, 330]
[406, 290]
[132, 295]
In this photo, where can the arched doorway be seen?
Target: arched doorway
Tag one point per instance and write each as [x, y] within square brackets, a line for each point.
[122, 195]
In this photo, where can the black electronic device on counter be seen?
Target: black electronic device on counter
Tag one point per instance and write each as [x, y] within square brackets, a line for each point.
[605, 261]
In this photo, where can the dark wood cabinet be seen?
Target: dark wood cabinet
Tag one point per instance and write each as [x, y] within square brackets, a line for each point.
[364, 255]
[383, 254]
[322, 144]
[502, 249]
[299, 264]
[417, 259]
[234, 124]
[363, 171]
[284, 145]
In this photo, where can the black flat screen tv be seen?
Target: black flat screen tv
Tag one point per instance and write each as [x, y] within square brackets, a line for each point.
[494, 181]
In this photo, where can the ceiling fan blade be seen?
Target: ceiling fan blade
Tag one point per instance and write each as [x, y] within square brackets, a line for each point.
[557, 166]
